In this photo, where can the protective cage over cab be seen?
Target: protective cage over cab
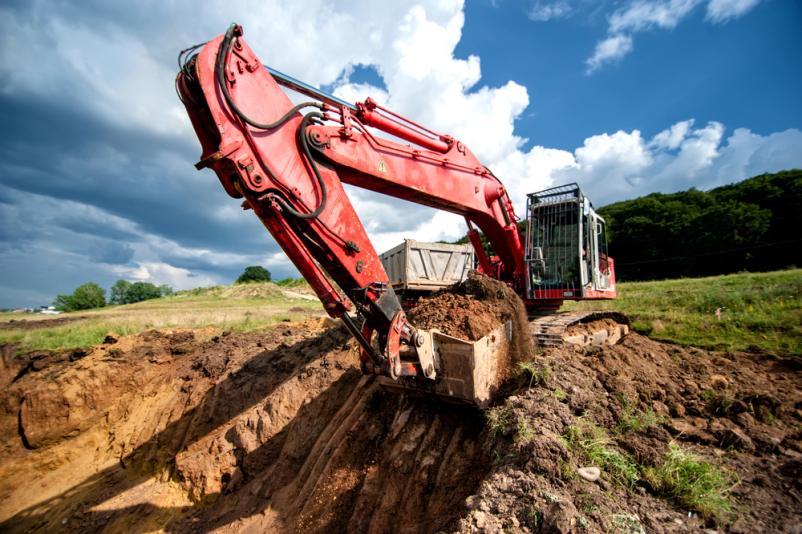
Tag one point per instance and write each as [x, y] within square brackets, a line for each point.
[566, 247]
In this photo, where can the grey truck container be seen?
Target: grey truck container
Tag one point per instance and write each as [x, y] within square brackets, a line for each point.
[416, 265]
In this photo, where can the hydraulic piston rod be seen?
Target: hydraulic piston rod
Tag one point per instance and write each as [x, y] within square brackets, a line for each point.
[304, 88]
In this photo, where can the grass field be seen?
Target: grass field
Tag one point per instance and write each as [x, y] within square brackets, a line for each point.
[761, 310]
[240, 308]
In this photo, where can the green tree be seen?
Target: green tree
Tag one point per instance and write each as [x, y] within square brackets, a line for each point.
[119, 291]
[254, 273]
[85, 297]
[165, 290]
[139, 291]
[125, 292]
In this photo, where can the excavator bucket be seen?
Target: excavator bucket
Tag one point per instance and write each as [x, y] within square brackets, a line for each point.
[472, 372]
[466, 371]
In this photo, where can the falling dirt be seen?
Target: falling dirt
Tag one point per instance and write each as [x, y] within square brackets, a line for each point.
[277, 431]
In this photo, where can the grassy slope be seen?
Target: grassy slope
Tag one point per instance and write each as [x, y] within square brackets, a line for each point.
[763, 310]
[759, 309]
[245, 307]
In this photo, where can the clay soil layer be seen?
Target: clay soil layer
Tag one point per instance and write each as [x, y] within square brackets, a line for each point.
[277, 431]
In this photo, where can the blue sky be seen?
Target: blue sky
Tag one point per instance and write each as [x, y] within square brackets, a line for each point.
[746, 71]
[625, 97]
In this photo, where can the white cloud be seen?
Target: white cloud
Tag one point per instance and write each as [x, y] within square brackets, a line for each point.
[359, 92]
[719, 11]
[164, 273]
[642, 15]
[671, 138]
[613, 48]
[544, 11]
[624, 165]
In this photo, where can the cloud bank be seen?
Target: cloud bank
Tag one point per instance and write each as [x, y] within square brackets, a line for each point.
[96, 175]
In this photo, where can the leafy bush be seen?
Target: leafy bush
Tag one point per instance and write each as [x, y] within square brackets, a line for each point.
[253, 273]
[125, 292]
[85, 297]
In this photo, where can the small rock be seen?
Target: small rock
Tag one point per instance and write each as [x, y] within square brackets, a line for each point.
[719, 382]
[480, 519]
[77, 354]
[745, 419]
[736, 438]
[677, 409]
[591, 474]
[768, 439]
[660, 408]
[560, 518]
[110, 339]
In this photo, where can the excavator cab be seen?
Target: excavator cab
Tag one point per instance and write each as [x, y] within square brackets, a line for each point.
[566, 247]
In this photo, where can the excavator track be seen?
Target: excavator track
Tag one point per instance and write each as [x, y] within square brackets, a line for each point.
[601, 327]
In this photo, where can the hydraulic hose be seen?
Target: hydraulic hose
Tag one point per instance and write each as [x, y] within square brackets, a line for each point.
[222, 57]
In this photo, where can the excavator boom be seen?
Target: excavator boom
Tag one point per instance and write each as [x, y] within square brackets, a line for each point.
[289, 168]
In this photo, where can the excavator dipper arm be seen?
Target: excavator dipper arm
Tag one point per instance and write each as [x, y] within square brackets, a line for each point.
[289, 169]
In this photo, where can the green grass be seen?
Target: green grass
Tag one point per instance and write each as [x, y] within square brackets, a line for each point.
[537, 374]
[698, 485]
[524, 432]
[758, 310]
[592, 442]
[497, 419]
[637, 420]
[239, 308]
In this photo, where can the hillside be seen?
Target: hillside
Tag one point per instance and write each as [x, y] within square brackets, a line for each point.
[751, 225]
[760, 311]
[242, 307]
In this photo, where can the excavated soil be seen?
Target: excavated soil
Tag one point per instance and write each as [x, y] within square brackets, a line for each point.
[474, 308]
[277, 431]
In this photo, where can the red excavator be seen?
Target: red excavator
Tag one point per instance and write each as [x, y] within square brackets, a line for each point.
[289, 167]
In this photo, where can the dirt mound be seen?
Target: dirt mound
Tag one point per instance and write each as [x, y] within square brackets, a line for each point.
[472, 309]
[277, 431]
[627, 409]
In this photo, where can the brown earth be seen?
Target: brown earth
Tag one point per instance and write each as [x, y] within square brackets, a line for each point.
[32, 324]
[474, 308]
[278, 431]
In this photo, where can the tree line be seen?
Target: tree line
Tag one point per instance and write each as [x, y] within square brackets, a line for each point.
[753, 225]
[91, 295]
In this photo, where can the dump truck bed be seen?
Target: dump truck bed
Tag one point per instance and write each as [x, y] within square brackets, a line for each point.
[420, 266]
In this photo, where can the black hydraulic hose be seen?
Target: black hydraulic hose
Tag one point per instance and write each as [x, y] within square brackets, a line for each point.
[222, 57]
[305, 147]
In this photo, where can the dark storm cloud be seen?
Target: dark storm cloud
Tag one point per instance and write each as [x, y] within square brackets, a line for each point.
[51, 151]
[112, 253]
